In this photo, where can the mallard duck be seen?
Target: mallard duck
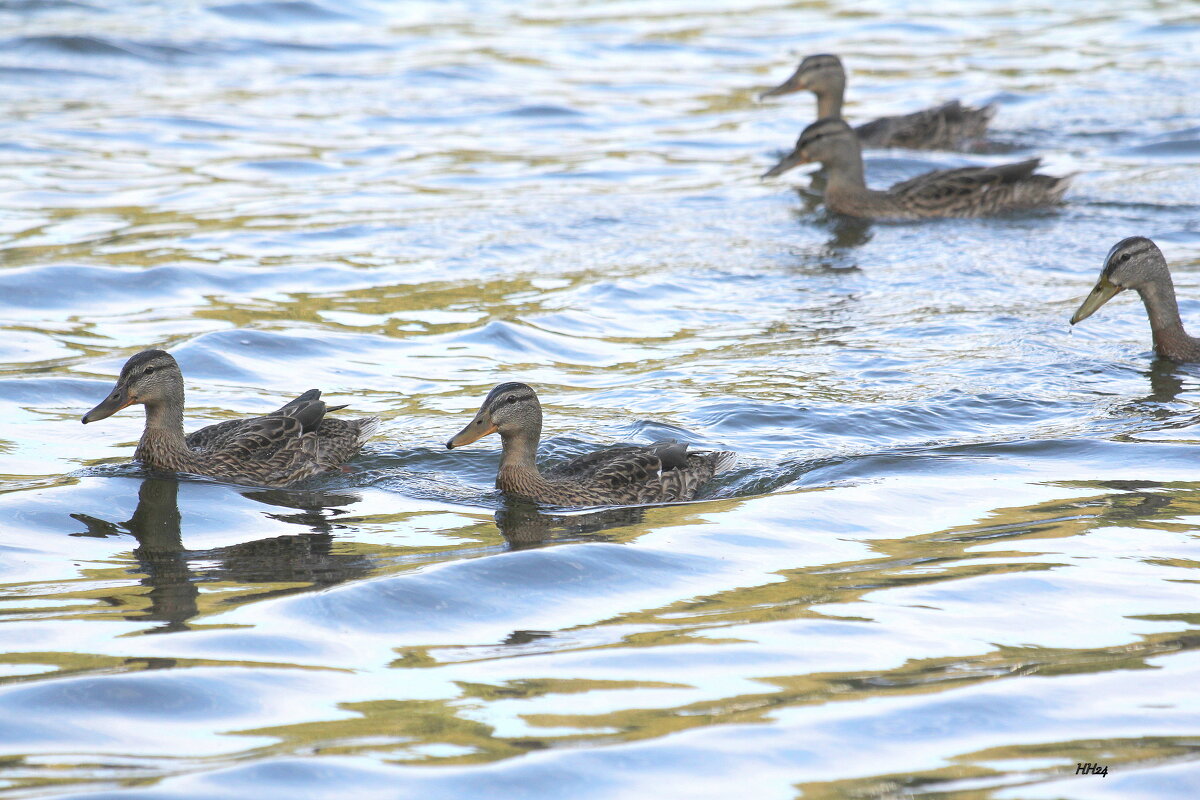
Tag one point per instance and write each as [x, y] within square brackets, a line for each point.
[658, 473]
[1137, 263]
[288, 445]
[944, 127]
[963, 192]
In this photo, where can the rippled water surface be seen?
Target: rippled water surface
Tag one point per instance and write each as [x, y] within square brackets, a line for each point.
[958, 554]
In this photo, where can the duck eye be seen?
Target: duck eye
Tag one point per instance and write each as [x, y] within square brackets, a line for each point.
[511, 400]
[1124, 257]
[147, 370]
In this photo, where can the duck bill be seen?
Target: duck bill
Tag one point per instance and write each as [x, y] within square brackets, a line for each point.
[118, 399]
[792, 84]
[792, 159]
[475, 430]
[1104, 291]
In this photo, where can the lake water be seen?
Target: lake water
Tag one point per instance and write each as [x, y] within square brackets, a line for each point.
[957, 557]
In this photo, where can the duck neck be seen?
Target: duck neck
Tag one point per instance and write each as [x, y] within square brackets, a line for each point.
[519, 450]
[845, 185]
[829, 103]
[518, 466]
[163, 444]
[1170, 339]
[846, 174]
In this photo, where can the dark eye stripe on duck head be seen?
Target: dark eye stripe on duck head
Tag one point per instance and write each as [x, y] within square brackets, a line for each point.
[820, 63]
[508, 392]
[147, 360]
[1126, 249]
[822, 129]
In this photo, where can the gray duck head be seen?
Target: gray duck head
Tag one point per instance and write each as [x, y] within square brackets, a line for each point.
[820, 74]
[1132, 263]
[151, 377]
[827, 141]
[509, 409]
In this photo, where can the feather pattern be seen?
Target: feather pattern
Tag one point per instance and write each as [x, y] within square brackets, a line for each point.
[972, 191]
[284, 447]
[945, 127]
[658, 473]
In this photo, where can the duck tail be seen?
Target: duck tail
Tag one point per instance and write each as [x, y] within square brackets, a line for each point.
[367, 426]
[723, 460]
[1064, 182]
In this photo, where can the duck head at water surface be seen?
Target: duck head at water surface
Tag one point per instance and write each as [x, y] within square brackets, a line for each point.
[829, 141]
[1137, 263]
[513, 411]
[151, 378]
[821, 74]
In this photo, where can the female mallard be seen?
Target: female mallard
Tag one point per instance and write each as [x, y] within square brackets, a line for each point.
[1137, 263]
[963, 192]
[288, 445]
[658, 473]
[943, 127]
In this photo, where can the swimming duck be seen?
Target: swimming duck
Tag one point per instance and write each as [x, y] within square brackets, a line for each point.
[963, 192]
[288, 445]
[944, 127]
[656, 473]
[1137, 263]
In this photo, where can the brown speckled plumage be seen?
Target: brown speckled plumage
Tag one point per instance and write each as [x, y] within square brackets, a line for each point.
[288, 445]
[946, 127]
[963, 192]
[656, 473]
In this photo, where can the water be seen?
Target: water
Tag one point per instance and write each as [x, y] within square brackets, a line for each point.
[957, 556]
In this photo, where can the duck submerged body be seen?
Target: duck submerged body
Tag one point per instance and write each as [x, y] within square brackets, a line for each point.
[658, 473]
[962, 192]
[1137, 263]
[292, 443]
[949, 126]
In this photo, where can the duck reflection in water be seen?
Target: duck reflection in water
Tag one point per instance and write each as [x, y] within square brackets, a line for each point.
[172, 572]
[848, 232]
[1168, 380]
[525, 526]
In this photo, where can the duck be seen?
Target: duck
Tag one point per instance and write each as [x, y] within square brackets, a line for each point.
[638, 475]
[1137, 263]
[962, 192]
[949, 126]
[292, 443]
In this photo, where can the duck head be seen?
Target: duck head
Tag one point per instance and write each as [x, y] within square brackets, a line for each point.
[1132, 263]
[820, 74]
[511, 409]
[825, 141]
[151, 377]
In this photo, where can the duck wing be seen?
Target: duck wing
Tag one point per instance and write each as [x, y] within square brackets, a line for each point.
[294, 442]
[967, 189]
[308, 409]
[269, 451]
[615, 461]
[660, 473]
[941, 127]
